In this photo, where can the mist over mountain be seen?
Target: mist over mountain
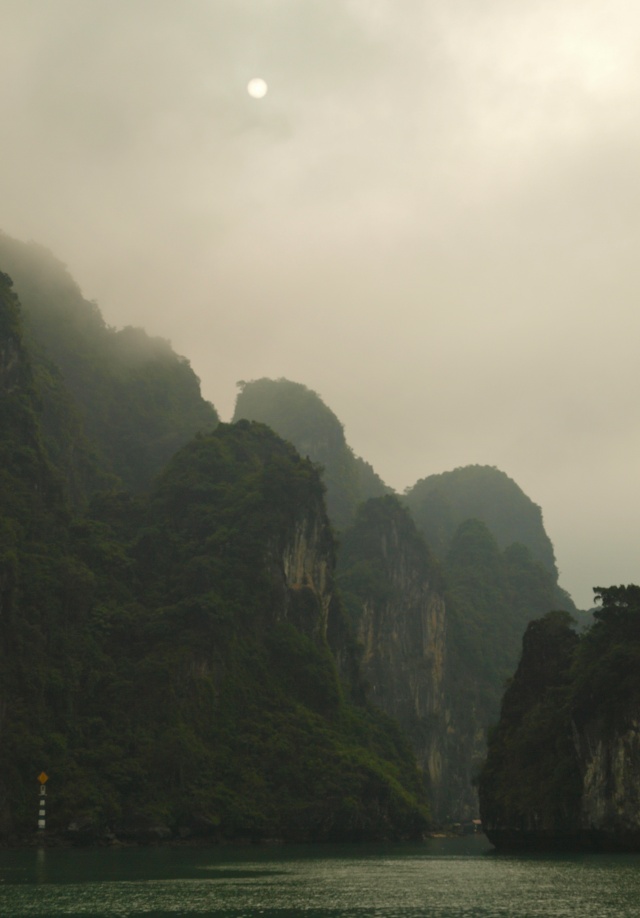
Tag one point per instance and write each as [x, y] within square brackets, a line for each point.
[439, 596]
[134, 401]
[171, 659]
[172, 590]
[441, 502]
[299, 415]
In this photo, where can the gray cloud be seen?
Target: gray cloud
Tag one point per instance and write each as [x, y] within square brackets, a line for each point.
[431, 219]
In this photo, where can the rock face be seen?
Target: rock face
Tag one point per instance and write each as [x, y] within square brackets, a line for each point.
[530, 785]
[563, 768]
[604, 813]
[610, 769]
[394, 594]
[171, 658]
[307, 562]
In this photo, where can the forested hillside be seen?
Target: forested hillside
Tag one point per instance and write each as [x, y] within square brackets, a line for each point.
[491, 570]
[440, 503]
[169, 598]
[300, 416]
[115, 402]
[166, 657]
[491, 596]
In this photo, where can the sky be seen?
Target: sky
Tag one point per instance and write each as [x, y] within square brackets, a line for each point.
[432, 219]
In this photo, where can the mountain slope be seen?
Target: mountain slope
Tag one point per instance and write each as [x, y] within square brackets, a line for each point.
[166, 657]
[126, 400]
[439, 503]
[300, 416]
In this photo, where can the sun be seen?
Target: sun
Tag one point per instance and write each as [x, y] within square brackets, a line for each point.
[257, 88]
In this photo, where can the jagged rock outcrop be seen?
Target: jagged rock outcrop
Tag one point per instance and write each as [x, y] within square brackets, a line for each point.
[609, 762]
[171, 658]
[440, 675]
[563, 768]
[306, 561]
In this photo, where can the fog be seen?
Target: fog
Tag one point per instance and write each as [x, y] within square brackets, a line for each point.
[431, 219]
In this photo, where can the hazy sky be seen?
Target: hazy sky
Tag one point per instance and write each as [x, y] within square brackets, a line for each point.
[432, 219]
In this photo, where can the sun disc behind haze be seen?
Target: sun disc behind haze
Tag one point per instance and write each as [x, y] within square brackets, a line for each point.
[257, 88]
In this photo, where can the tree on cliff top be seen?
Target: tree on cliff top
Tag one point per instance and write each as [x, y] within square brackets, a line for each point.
[606, 681]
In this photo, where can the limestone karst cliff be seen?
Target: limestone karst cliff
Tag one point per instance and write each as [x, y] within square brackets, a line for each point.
[563, 768]
[439, 630]
[206, 592]
[394, 594]
[170, 659]
[610, 768]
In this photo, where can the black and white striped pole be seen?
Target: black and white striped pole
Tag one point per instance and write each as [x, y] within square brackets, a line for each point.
[43, 777]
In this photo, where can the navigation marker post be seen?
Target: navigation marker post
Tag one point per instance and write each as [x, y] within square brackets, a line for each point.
[43, 777]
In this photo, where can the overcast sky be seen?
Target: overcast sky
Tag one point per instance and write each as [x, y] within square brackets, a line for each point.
[432, 219]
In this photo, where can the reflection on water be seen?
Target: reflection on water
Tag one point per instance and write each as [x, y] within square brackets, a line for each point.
[41, 865]
[440, 878]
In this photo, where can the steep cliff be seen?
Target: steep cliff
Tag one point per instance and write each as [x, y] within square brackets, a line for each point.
[610, 768]
[563, 768]
[35, 573]
[394, 595]
[166, 659]
[605, 695]
[217, 584]
[439, 675]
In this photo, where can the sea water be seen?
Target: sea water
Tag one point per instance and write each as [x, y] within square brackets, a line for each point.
[440, 878]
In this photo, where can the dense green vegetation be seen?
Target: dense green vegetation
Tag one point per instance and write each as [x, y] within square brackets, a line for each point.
[299, 415]
[243, 705]
[491, 596]
[531, 776]
[496, 561]
[566, 686]
[606, 675]
[156, 662]
[115, 402]
[156, 659]
[440, 503]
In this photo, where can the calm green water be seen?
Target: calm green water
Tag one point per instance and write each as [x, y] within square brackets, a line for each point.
[440, 878]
